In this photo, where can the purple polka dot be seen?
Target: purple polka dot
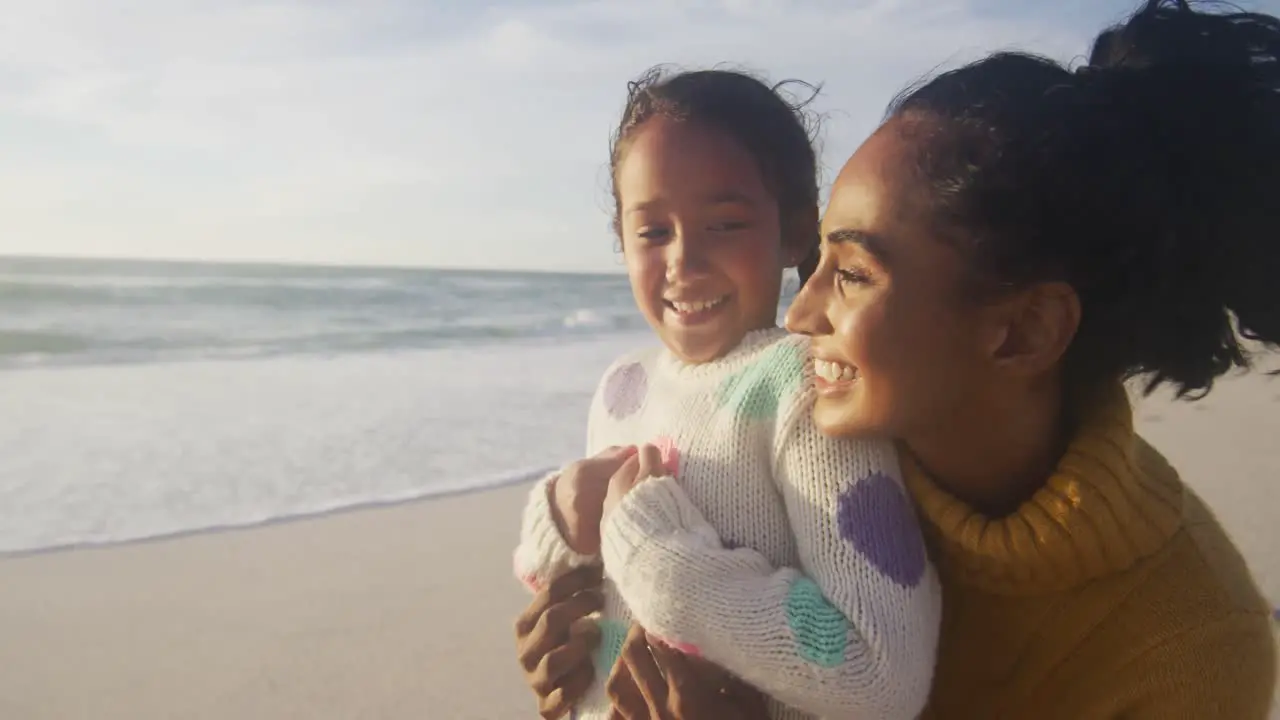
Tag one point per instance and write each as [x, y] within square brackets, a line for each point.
[875, 517]
[625, 389]
[732, 544]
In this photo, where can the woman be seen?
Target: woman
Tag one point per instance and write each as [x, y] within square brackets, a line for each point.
[1011, 244]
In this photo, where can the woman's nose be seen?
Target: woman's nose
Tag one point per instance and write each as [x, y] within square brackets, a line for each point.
[807, 314]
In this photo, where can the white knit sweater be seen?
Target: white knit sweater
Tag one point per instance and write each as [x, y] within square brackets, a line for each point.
[791, 559]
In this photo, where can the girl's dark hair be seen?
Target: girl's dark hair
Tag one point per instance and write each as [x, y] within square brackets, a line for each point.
[1146, 179]
[777, 130]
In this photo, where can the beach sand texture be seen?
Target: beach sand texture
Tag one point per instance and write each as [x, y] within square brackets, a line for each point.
[405, 611]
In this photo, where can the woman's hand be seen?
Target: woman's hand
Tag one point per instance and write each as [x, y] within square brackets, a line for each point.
[555, 639]
[652, 681]
[644, 464]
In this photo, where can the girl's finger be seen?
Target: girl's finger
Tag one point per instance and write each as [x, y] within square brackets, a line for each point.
[625, 477]
[651, 464]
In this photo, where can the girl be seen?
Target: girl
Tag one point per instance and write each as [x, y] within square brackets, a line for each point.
[792, 560]
[1011, 244]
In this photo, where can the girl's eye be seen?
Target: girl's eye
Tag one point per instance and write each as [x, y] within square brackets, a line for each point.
[653, 234]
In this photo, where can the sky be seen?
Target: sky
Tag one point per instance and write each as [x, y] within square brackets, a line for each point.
[404, 132]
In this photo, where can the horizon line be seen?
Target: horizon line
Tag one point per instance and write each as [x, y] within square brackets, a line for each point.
[299, 264]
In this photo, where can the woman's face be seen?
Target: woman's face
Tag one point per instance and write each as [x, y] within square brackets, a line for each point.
[898, 349]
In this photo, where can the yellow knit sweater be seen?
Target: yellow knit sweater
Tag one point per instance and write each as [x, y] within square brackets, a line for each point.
[1112, 593]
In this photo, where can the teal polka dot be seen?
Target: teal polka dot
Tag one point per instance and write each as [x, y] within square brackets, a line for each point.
[753, 392]
[612, 635]
[820, 630]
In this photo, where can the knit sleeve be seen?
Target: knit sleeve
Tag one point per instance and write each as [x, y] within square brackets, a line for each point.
[851, 633]
[542, 553]
[1224, 669]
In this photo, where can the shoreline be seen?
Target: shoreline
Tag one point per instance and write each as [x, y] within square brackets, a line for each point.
[502, 480]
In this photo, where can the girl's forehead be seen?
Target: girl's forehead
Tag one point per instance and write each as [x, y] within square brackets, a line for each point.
[667, 159]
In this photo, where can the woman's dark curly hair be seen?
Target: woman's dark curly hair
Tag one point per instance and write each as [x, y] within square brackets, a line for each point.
[1148, 179]
[777, 130]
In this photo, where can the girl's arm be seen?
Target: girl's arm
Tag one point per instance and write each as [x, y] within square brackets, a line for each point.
[542, 553]
[852, 635]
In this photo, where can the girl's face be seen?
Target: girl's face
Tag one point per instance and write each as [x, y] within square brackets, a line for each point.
[898, 349]
[701, 237]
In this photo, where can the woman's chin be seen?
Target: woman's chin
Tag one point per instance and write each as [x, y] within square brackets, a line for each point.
[839, 416]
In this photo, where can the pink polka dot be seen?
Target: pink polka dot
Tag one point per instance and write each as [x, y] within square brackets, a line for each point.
[529, 580]
[685, 648]
[670, 454]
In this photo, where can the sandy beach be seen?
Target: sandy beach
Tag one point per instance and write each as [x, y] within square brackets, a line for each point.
[405, 611]
[400, 612]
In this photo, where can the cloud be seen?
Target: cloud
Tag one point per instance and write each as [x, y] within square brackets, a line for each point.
[389, 131]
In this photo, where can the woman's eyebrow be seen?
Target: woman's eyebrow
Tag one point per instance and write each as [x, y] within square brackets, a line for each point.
[867, 241]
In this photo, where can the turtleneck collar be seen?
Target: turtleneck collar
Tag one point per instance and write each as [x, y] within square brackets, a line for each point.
[1112, 501]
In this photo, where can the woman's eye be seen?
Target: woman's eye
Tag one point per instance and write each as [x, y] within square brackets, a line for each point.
[852, 276]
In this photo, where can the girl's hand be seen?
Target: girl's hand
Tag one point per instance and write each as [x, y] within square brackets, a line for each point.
[645, 464]
[651, 680]
[578, 495]
[555, 639]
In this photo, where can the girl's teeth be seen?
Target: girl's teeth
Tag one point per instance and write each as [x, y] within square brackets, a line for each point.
[833, 371]
[693, 307]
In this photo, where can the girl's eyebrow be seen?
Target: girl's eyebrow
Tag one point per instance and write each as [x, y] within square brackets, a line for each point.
[727, 197]
[643, 206]
[730, 196]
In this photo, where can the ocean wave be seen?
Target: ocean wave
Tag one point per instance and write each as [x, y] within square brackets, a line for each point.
[18, 342]
[24, 349]
[262, 518]
[84, 312]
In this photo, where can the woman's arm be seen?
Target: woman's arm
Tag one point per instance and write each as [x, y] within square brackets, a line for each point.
[555, 637]
[1224, 669]
[854, 634]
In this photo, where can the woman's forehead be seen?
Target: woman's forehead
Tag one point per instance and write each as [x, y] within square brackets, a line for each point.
[863, 198]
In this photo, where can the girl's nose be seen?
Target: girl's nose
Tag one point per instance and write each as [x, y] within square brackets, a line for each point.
[685, 259]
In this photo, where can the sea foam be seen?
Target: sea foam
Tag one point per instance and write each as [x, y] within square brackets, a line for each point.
[110, 453]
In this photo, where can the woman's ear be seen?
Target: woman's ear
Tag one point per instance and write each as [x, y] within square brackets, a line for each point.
[1038, 327]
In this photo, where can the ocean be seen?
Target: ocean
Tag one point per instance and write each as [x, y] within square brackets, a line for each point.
[145, 399]
[93, 312]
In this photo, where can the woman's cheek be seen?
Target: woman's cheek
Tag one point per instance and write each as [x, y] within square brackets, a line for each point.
[856, 331]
